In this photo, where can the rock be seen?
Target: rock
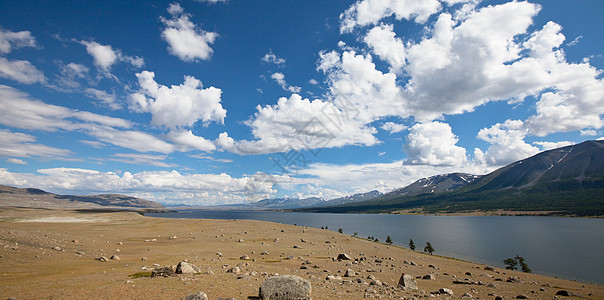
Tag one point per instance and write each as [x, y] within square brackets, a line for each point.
[492, 285]
[56, 248]
[522, 296]
[461, 282]
[333, 277]
[240, 240]
[467, 295]
[234, 270]
[361, 281]
[564, 293]
[370, 277]
[244, 257]
[343, 256]
[350, 273]
[102, 258]
[162, 272]
[429, 277]
[187, 268]
[115, 257]
[297, 247]
[375, 282]
[498, 297]
[144, 258]
[285, 287]
[196, 296]
[447, 291]
[487, 268]
[513, 279]
[264, 253]
[407, 281]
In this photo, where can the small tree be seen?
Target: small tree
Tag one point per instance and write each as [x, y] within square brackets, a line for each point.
[376, 240]
[411, 244]
[388, 240]
[428, 248]
[340, 230]
[355, 234]
[510, 264]
[523, 266]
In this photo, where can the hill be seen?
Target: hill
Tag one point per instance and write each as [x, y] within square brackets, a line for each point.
[350, 199]
[568, 180]
[31, 197]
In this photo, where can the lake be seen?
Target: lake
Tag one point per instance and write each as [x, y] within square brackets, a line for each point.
[570, 248]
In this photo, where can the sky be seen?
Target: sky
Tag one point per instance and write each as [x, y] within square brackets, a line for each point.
[205, 102]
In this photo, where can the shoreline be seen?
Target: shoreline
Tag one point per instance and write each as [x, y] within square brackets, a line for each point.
[29, 261]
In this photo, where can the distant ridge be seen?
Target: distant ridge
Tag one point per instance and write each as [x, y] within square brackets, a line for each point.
[567, 180]
[31, 197]
[351, 199]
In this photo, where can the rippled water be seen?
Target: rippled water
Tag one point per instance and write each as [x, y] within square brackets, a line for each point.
[571, 248]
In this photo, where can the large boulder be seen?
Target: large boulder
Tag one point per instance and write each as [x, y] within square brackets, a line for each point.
[187, 268]
[343, 256]
[285, 287]
[196, 296]
[407, 281]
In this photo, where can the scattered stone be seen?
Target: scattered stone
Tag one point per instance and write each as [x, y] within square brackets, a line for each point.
[234, 270]
[565, 293]
[151, 240]
[144, 258]
[297, 247]
[187, 268]
[492, 285]
[244, 257]
[240, 240]
[522, 296]
[350, 273]
[429, 277]
[467, 295]
[361, 281]
[468, 274]
[75, 241]
[57, 248]
[343, 256]
[498, 297]
[115, 257]
[461, 282]
[196, 296]
[370, 277]
[163, 272]
[487, 268]
[407, 281]
[375, 282]
[276, 240]
[173, 237]
[285, 287]
[333, 277]
[447, 291]
[102, 259]
[219, 253]
[513, 279]
[264, 253]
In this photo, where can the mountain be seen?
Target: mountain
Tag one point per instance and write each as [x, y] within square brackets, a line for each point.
[286, 203]
[567, 181]
[437, 184]
[351, 199]
[30, 197]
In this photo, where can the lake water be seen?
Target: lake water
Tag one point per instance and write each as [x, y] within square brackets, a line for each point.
[570, 248]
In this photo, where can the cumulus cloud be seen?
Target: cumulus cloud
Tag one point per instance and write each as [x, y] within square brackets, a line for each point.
[270, 57]
[105, 56]
[384, 43]
[553, 145]
[187, 141]
[177, 106]
[433, 144]
[10, 40]
[507, 144]
[221, 188]
[280, 79]
[370, 12]
[186, 40]
[16, 161]
[16, 144]
[393, 127]
[299, 124]
[21, 71]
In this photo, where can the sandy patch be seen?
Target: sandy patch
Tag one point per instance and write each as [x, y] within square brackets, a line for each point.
[60, 220]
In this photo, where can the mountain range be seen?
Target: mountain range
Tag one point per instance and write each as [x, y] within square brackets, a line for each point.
[566, 181]
[31, 197]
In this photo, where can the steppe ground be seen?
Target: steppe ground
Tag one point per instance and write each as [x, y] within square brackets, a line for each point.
[51, 254]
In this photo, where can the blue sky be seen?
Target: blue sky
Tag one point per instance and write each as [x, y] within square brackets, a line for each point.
[209, 102]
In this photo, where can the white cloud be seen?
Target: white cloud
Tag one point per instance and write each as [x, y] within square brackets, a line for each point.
[16, 144]
[280, 79]
[105, 56]
[142, 159]
[387, 46]
[298, 124]
[588, 132]
[211, 1]
[393, 127]
[155, 185]
[70, 76]
[553, 145]
[106, 98]
[16, 161]
[21, 71]
[186, 40]
[187, 141]
[433, 144]
[10, 40]
[130, 139]
[177, 106]
[507, 144]
[270, 57]
[370, 12]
